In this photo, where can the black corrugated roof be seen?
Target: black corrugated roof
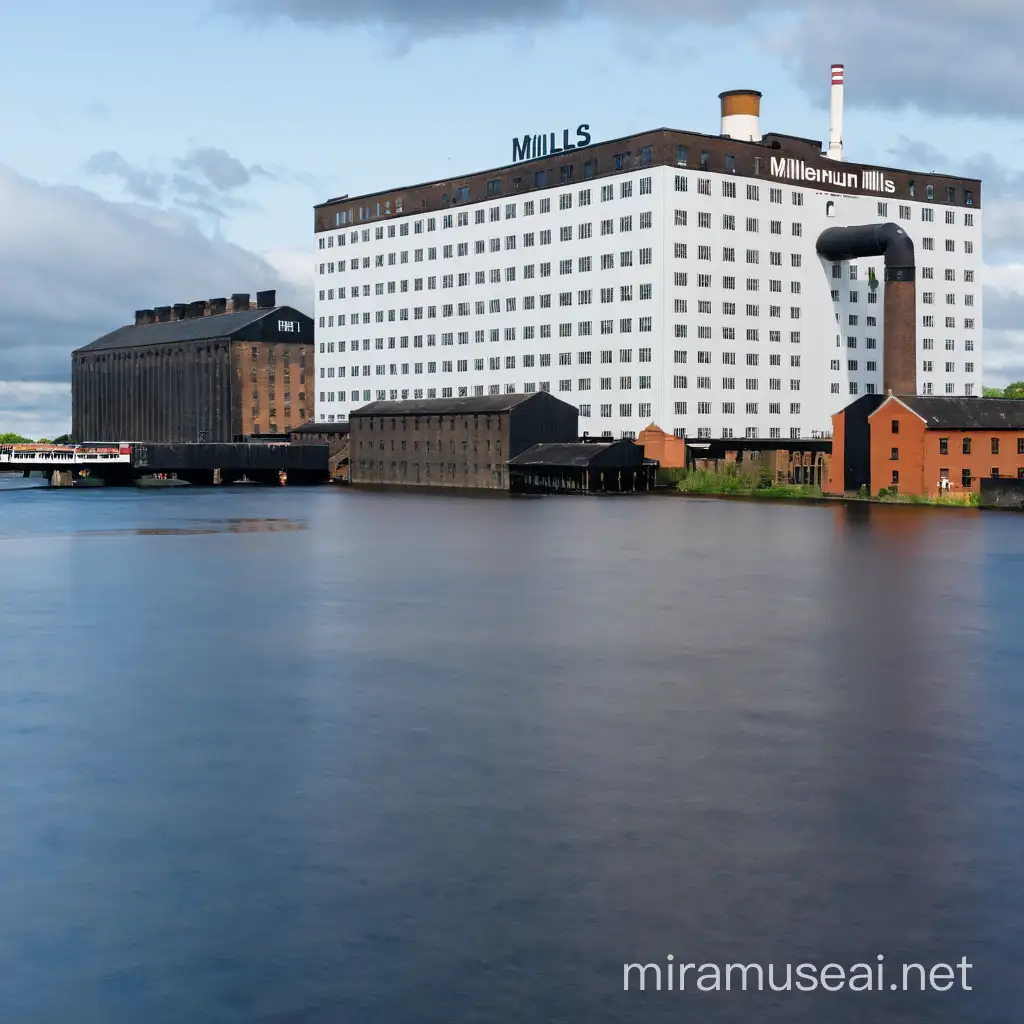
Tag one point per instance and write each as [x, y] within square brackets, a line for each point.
[202, 328]
[942, 412]
[562, 454]
[443, 406]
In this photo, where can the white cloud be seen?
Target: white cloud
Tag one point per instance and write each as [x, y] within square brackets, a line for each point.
[74, 266]
[34, 408]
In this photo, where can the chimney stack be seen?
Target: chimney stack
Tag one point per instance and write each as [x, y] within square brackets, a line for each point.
[266, 300]
[240, 302]
[162, 313]
[741, 115]
[144, 317]
[835, 130]
[179, 311]
[197, 309]
[218, 306]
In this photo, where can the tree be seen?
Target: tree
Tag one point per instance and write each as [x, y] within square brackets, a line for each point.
[14, 439]
[992, 392]
[1015, 390]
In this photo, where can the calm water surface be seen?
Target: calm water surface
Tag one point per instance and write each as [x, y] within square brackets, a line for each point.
[275, 755]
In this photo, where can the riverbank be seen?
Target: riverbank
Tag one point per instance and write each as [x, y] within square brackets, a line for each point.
[737, 485]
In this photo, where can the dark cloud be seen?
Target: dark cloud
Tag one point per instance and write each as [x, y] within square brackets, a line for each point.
[138, 183]
[204, 180]
[220, 169]
[947, 57]
[74, 266]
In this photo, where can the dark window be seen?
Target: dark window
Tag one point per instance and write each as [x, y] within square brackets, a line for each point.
[943, 445]
[704, 159]
[590, 169]
[681, 156]
[895, 454]
[995, 445]
[966, 446]
[895, 426]
[995, 472]
[965, 478]
[968, 197]
[895, 477]
[621, 161]
[950, 195]
[540, 179]
[730, 162]
[494, 187]
[910, 186]
[462, 194]
[1020, 445]
[1020, 474]
[567, 173]
[647, 156]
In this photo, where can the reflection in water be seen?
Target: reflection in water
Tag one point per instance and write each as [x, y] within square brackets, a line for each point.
[204, 526]
[434, 760]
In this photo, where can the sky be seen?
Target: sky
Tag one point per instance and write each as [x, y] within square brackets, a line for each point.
[160, 153]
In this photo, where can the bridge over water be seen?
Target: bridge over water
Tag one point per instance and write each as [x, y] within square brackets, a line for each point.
[125, 462]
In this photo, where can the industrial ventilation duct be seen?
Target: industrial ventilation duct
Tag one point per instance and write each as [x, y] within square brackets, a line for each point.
[899, 358]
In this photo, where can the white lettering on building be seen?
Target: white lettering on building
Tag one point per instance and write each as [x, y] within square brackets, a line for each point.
[797, 170]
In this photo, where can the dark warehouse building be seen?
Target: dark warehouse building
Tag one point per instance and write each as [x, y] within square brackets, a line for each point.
[207, 371]
[454, 442]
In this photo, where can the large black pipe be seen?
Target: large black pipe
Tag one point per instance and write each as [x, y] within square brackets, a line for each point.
[865, 240]
[899, 358]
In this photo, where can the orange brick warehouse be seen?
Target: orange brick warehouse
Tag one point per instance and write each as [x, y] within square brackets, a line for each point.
[925, 445]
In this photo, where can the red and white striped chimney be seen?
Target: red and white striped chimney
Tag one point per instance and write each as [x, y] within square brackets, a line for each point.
[835, 130]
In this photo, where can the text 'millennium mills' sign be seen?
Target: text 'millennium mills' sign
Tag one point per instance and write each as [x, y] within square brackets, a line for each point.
[529, 147]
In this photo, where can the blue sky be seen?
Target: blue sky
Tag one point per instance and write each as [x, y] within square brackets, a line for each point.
[162, 154]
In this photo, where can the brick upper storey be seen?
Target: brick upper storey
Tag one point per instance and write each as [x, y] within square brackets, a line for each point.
[662, 147]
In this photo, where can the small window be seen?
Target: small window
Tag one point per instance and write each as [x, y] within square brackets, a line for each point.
[894, 455]
[995, 445]
[943, 445]
[895, 426]
[966, 446]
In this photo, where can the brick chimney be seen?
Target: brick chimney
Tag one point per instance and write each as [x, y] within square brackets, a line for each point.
[162, 313]
[218, 306]
[179, 311]
[266, 300]
[144, 317]
[240, 302]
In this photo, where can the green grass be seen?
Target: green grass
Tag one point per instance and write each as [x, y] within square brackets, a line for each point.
[731, 482]
[886, 496]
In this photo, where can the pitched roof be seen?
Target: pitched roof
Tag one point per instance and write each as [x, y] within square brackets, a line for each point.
[200, 328]
[444, 406]
[580, 455]
[948, 412]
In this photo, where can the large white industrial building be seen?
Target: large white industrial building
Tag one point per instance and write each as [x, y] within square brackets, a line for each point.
[668, 277]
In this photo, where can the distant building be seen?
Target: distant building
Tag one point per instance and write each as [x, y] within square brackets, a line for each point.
[335, 436]
[214, 371]
[926, 445]
[454, 442]
[666, 449]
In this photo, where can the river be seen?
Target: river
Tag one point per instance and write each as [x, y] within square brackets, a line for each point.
[276, 755]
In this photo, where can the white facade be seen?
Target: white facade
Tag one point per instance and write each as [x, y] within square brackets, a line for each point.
[695, 300]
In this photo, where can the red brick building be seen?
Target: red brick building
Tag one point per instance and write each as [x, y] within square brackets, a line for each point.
[926, 445]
